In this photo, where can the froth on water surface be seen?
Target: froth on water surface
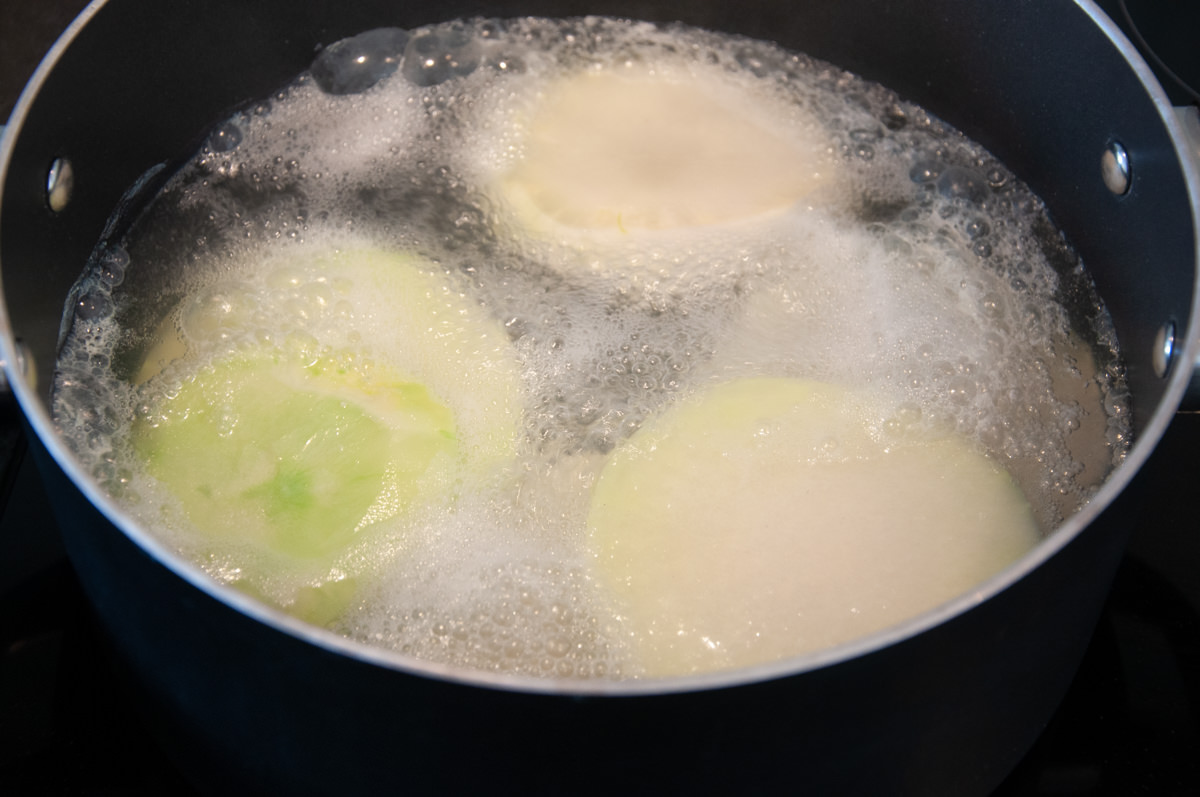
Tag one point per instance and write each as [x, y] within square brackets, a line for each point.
[895, 259]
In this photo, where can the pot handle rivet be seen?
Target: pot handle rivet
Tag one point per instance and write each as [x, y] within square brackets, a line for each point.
[60, 184]
[1164, 349]
[1114, 168]
[23, 365]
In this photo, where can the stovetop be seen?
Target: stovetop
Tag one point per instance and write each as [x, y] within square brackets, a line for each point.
[1130, 724]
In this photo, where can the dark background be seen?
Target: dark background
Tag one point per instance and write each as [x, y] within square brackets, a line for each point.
[1129, 726]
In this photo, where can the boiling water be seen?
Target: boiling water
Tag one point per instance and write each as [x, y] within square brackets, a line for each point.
[920, 270]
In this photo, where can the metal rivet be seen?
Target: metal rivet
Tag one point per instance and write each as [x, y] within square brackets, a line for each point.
[23, 366]
[60, 184]
[1164, 349]
[1114, 167]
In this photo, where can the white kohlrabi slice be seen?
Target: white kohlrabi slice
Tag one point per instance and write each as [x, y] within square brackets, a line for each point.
[766, 517]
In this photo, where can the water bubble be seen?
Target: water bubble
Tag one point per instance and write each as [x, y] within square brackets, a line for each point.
[997, 177]
[112, 265]
[353, 65]
[924, 172]
[435, 56]
[976, 228]
[957, 182]
[508, 64]
[93, 306]
[895, 118]
[225, 138]
[490, 28]
[751, 59]
[896, 245]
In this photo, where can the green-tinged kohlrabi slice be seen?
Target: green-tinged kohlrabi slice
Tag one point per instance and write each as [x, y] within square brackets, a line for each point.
[381, 390]
[766, 518]
[296, 456]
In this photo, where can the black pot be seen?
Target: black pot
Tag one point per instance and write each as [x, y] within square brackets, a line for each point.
[945, 704]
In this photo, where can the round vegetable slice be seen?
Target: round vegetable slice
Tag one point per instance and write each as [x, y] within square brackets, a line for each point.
[324, 395]
[624, 153]
[295, 456]
[765, 518]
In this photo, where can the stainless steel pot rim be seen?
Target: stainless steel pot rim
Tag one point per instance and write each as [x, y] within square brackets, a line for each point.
[1178, 379]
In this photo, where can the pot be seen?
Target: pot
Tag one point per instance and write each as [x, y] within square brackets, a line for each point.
[251, 700]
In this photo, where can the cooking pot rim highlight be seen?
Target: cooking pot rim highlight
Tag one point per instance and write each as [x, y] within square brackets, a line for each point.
[39, 421]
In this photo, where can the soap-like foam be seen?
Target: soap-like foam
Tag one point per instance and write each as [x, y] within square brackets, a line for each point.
[921, 274]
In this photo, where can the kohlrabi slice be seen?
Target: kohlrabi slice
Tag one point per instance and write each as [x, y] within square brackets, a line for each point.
[295, 410]
[295, 455]
[637, 151]
[769, 517]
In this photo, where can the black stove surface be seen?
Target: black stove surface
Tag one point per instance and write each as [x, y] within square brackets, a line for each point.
[1130, 724]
